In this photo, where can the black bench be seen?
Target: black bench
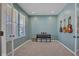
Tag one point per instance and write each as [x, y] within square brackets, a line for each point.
[43, 36]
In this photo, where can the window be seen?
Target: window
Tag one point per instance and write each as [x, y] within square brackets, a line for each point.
[22, 25]
[15, 23]
[19, 23]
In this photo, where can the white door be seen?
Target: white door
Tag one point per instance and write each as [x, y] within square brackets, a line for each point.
[9, 31]
[77, 14]
[0, 29]
[9, 25]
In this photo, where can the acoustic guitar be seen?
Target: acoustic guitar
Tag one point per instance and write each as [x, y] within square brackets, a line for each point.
[64, 28]
[70, 29]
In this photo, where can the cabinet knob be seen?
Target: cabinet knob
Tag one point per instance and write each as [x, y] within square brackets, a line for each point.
[12, 36]
[75, 36]
[1, 33]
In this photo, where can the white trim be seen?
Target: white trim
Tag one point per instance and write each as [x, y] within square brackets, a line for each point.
[19, 46]
[66, 47]
[12, 47]
[3, 28]
[75, 28]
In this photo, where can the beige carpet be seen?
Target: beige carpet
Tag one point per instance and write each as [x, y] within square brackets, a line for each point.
[53, 48]
[77, 53]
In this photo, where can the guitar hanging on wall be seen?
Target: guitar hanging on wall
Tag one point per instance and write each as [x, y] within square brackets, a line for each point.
[60, 26]
[70, 30]
[64, 28]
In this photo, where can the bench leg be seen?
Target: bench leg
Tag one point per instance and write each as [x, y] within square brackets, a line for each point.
[36, 39]
[50, 40]
[46, 39]
[41, 39]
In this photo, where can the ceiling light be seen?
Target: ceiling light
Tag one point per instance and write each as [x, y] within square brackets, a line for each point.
[52, 11]
[33, 12]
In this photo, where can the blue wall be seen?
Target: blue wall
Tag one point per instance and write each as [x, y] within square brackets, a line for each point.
[67, 38]
[40, 24]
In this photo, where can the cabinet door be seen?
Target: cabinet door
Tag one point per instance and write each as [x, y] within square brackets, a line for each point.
[77, 41]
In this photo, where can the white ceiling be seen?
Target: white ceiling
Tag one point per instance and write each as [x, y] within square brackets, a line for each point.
[42, 8]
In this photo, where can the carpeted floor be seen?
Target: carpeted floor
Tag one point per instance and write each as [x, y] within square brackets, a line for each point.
[77, 53]
[53, 48]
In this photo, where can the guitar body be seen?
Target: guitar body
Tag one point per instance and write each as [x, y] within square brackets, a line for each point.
[64, 29]
[70, 30]
[60, 26]
[60, 29]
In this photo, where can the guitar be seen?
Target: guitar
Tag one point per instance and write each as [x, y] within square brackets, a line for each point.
[70, 29]
[60, 29]
[60, 26]
[64, 28]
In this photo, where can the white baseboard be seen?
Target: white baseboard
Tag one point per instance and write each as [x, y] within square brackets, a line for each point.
[66, 47]
[19, 46]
